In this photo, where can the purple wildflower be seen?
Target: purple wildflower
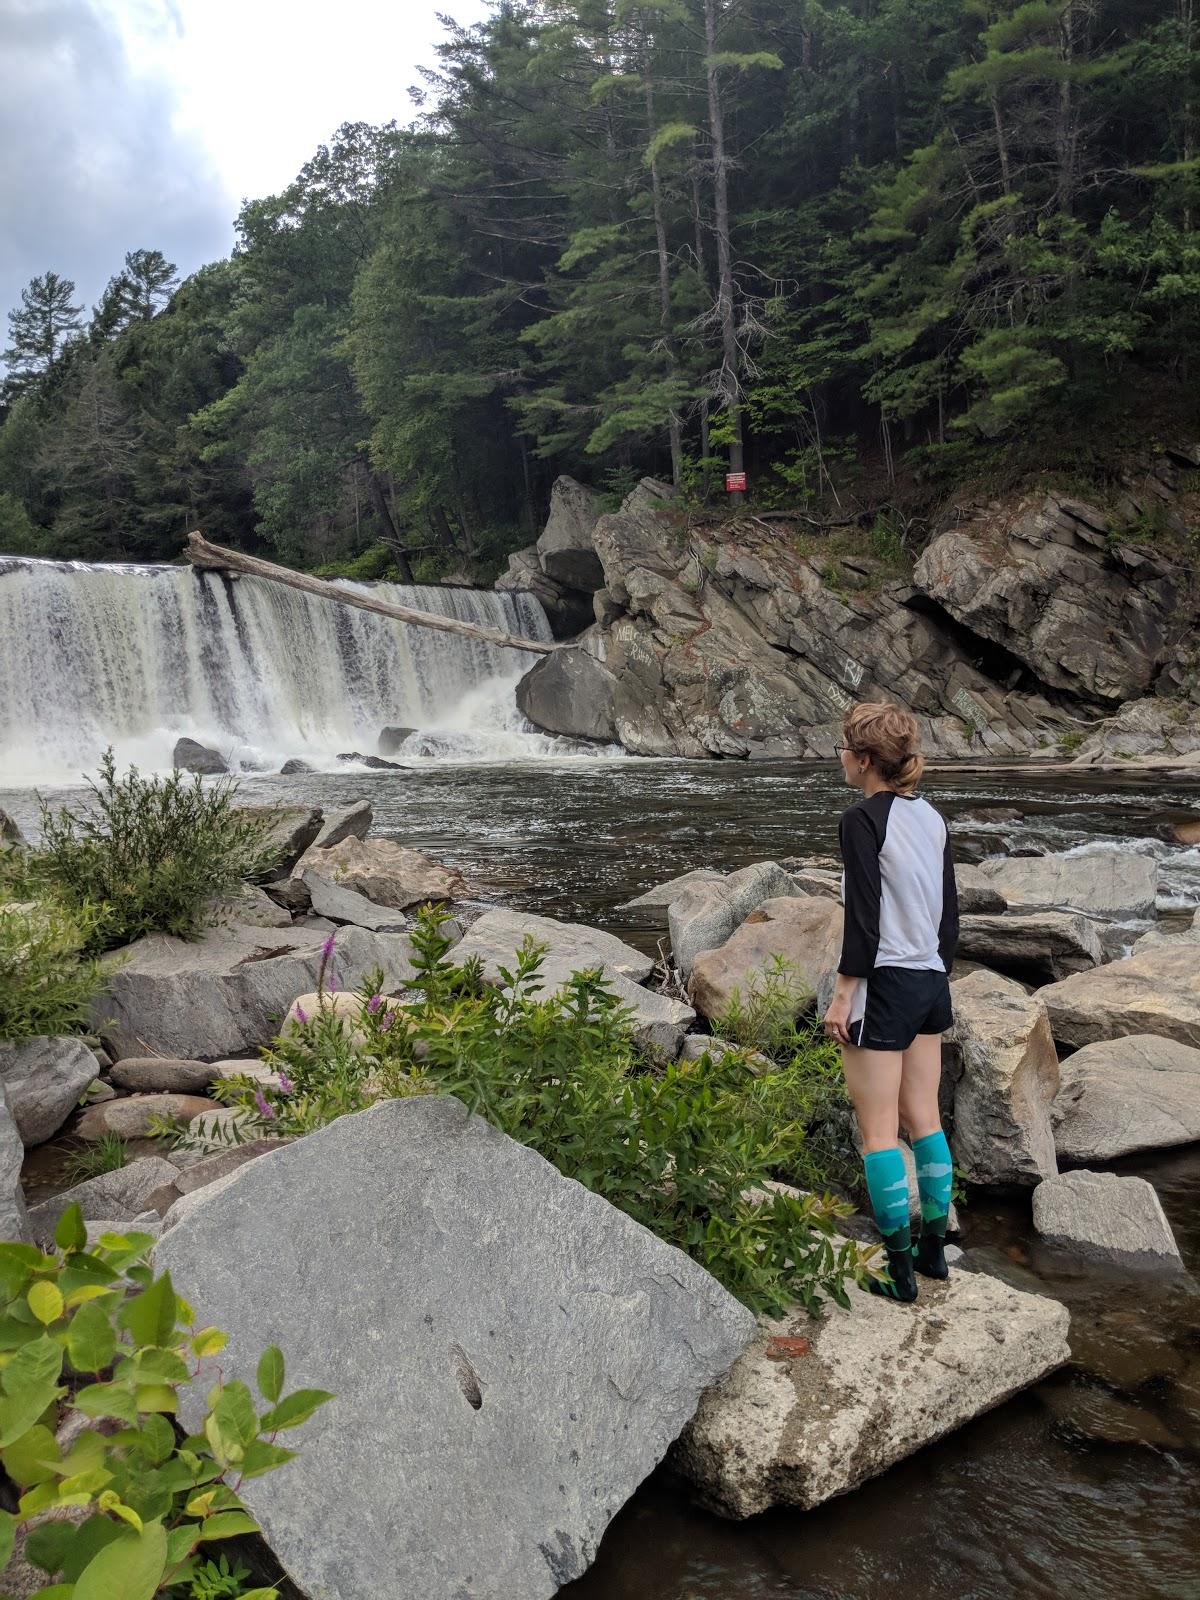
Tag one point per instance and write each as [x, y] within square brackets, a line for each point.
[327, 947]
[374, 1003]
[386, 1021]
[285, 1084]
[301, 1014]
[265, 1108]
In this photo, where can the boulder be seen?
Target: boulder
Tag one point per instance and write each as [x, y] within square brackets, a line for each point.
[136, 1116]
[568, 610]
[14, 1221]
[208, 1169]
[290, 831]
[663, 894]
[1114, 885]
[1120, 1096]
[376, 763]
[251, 906]
[188, 756]
[11, 837]
[329, 898]
[224, 993]
[1036, 946]
[1187, 831]
[295, 768]
[1096, 1214]
[804, 931]
[162, 1075]
[45, 1078]
[659, 1022]
[570, 693]
[1157, 991]
[291, 894]
[509, 1355]
[119, 1195]
[1010, 1076]
[706, 915]
[566, 551]
[867, 1386]
[390, 740]
[354, 822]
[382, 871]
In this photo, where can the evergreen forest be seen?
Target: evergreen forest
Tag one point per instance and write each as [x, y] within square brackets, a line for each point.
[862, 250]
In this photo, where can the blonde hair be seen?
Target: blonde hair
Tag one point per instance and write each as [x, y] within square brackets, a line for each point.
[891, 738]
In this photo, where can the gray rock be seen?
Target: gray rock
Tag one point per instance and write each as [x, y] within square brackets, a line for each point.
[200, 1174]
[14, 1220]
[798, 1430]
[121, 1195]
[225, 993]
[291, 894]
[1157, 991]
[136, 1116]
[148, 1222]
[161, 1075]
[188, 756]
[1002, 1129]
[1115, 885]
[1120, 1096]
[294, 768]
[804, 932]
[290, 831]
[975, 897]
[45, 1078]
[660, 1023]
[330, 899]
[1036, 946]
[509, 1355]
[390, 740]
[11, 837]
[566, 550]
[664, 893]
[1111, 1219]
[381, 871]
[570, 693]
[352, 823]
[250, 906]
[704, 916]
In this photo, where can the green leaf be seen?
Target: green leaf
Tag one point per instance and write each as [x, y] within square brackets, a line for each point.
[96, 1534]
[297, 1408]
[91, 1341]
[150, 1316]
[132, 1567]
[47, 1547]
[71, 1232]
[270, 1373]
[235, 1416]
[227, 1525]
[32, 1458]
[162, 1366]
[156, 1397]
[262, 1457]
[31, 1382]
[107, 1400]
[8, 1533]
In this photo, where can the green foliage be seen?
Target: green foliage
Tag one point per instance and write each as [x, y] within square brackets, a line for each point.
[94, 1337]
[1069, 742]
[106, 1154]
[47, 984]
[681, 1148]
[149, 852]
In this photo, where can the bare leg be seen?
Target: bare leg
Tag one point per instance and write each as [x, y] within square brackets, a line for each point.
[920, 1075]
[874, 1078]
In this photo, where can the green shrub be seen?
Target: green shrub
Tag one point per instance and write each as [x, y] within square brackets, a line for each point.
[93, 1335]
[679, 1148]
[150, 852]
[106, 1154]
[46, 984]
[1069, 743]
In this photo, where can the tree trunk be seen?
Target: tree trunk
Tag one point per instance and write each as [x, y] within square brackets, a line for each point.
[390, 537]
[1001, 145]
[664, 272]
[731, 383]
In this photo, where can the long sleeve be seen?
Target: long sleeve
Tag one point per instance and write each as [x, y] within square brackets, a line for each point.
[948, 926]
[860, 844]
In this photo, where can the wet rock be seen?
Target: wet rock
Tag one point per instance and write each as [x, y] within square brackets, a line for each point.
[295, 768]
[381, 871]
[570, 693]
[251, 906]
[11, 837]
[566, 550]
[1115, 885]
[568, 610]
[14, 1222]
[136, 1116]
[119, 1195]
[1106, 1218]
[802, 931]
[1010, 1076]
[706, 915]
[660, 1023]
[874, 1386]
[1120, 1096]
[290, 831]
[45, 1079]
[162, 1075]
[390, 740]
[1155, 992]
[1035, 946]
[988, 814]
[223, 994]
[664, 893]
[376, 763]
[188, 756]
[509, 1381]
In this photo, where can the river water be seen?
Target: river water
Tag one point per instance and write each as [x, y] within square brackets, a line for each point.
[1089, 1483]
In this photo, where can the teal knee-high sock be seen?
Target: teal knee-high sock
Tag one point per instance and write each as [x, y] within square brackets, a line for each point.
[935, 1174]
[887, 1184]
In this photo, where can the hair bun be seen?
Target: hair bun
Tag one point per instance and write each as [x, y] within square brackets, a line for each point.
[890, 736]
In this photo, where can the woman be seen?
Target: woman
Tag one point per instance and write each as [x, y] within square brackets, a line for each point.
[892, 1000]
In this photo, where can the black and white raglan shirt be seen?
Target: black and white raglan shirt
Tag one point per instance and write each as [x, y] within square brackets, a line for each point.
[898, 889]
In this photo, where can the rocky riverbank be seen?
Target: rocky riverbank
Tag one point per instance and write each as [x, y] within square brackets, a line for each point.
[1042, 628]
[1067, 1050]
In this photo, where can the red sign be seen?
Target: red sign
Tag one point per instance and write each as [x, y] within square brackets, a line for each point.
[735, 482]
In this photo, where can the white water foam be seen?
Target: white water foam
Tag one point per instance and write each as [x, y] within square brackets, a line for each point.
[137, 656]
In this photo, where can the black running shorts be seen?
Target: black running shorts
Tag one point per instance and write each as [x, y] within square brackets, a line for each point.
[901, 1002]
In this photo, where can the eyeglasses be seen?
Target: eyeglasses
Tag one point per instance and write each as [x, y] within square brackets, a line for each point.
[844, 749]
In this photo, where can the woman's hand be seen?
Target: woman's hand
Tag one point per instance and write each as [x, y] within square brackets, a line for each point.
[837, 1018]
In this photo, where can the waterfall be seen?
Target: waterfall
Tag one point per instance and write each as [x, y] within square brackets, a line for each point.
[136, 656]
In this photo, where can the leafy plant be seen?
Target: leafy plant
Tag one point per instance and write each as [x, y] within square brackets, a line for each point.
[1069, 742]
[94, 1337]
[106, 1154]
[46, 984]
[217, 1580]
[684, 1149]
[150, 852]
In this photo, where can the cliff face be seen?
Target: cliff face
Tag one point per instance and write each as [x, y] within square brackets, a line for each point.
[1018, 627]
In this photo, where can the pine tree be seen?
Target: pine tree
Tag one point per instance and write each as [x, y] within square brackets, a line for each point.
[40, 326]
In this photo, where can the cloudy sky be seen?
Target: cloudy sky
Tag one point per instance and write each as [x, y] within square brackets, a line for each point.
[128, 124]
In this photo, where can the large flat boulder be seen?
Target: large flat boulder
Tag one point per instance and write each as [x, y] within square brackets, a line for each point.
[1114, 885]
[570, 693]
[352, 822]
[1120, 1096]
[249, 905]
[509, 1355]
[1119, 1221]
[804, 932]
[1036, 946]
[1010, 1076]
[14, 1221]
[659, 1022]
[119, 1195]
[874, 1384]
[705, 915]
[1156, 991]
[45, 1079]
[226, 993]
[566, 549]
[381, 871]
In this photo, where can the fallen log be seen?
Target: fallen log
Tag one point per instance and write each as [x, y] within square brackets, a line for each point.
[216, 558]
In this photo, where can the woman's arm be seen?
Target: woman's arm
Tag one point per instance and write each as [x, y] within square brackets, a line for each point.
[860, 856]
